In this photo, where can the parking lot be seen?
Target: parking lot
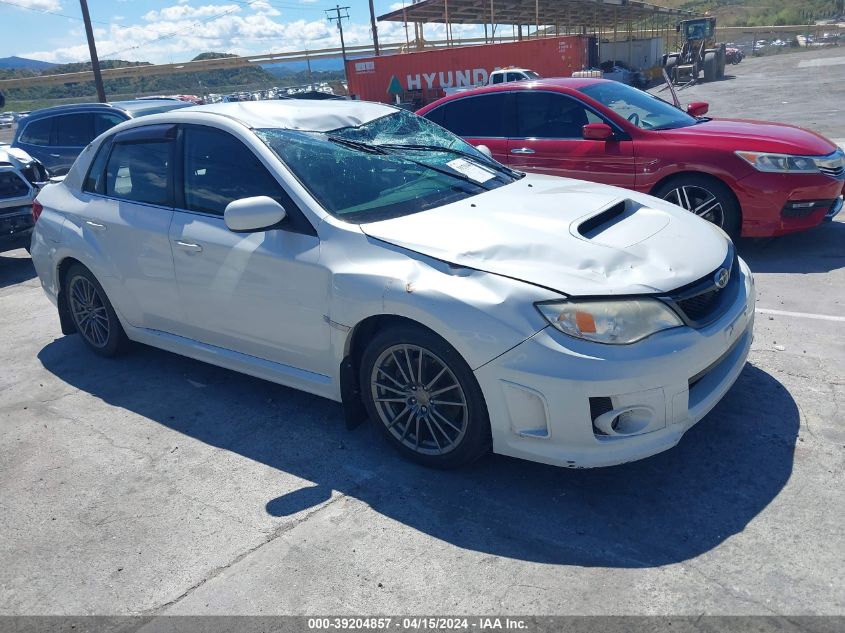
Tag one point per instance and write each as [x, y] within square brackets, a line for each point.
[154, 484]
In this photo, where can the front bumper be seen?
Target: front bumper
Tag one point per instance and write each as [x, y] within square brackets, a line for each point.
[539, 393]
[768, 202]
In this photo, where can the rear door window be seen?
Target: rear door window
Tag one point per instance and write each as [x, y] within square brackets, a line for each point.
[37, 132]
[105, 121]
[476, 117]
[74, 130]
[141, 172]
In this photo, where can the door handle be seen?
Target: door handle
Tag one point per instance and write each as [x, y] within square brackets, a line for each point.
[189, 246]
[56, 155]
[522, 150]
[96, 226]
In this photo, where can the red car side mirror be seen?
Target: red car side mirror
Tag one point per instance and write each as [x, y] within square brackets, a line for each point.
[597, 132]
[698, 108]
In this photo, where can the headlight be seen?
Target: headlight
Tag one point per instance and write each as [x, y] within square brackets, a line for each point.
[780, 163]
[616, 321]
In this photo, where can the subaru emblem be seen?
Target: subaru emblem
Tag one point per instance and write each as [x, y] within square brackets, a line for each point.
[722, 277]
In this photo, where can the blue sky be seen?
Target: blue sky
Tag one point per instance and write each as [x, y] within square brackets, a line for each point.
[176, 30]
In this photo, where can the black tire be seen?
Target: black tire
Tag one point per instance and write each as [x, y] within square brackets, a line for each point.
[427, 419]
[720, 68]
[671, 62]
[731, 215]
[92, 313]
[711, 64]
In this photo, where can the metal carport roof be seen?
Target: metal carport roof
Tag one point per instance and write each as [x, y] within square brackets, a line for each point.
[546, 12]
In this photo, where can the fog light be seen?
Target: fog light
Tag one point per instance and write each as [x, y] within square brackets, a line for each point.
[803, 208]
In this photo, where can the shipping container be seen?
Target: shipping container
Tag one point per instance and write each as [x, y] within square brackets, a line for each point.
[421, 77]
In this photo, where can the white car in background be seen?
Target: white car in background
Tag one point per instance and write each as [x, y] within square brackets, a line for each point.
[362, 253]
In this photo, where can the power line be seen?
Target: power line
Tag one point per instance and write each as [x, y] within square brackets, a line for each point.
[193, 24]
[180, 31]
[62, 15]
[211, 18]
[283, 7]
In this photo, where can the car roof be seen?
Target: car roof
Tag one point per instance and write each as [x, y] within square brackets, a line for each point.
[130, 107]
[298, 114]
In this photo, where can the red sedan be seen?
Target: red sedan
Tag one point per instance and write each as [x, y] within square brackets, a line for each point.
[751, 178]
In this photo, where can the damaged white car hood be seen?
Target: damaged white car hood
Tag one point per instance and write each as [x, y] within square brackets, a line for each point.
[575, 237]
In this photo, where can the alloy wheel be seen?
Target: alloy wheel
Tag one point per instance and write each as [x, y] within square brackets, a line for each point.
[700, 201]
[419, 399]
[89, 311]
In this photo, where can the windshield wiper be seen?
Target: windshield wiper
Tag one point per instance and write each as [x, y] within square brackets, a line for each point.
[377, 149]
[439, 148]
[359, 145]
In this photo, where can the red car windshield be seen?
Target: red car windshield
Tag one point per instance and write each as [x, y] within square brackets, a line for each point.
[640, 108]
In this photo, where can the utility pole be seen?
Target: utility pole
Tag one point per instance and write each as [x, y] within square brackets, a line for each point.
[374, 27]
[339, 19]
[95, 62]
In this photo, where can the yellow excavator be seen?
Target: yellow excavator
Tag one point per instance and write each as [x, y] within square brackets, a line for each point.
[699, 54]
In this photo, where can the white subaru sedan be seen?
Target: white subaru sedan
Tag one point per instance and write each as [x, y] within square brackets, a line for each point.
[359, 252]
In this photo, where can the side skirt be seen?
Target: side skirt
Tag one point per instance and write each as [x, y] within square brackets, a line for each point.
[311, 382]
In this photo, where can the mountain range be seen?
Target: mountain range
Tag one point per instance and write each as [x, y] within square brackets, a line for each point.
[22, 63]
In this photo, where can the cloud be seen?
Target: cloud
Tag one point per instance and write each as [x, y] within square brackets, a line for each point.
[40, 5]
[184, 12]
[265, 8]
[180, 32]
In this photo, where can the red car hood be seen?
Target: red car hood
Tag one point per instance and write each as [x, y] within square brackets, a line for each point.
[754, 136]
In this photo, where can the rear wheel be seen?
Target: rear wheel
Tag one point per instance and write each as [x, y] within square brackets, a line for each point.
[707, 197]
[711, 65]
[92, 313]
[424, 397]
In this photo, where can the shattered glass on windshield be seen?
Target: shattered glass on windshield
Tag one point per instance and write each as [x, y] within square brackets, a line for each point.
[389, 167]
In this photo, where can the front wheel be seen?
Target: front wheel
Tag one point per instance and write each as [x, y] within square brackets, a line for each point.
[424, 397]
[705, 196]
[92, 313]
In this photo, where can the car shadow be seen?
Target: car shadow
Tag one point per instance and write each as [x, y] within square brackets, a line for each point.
[669, 508]
[818, 250]
[15, 270]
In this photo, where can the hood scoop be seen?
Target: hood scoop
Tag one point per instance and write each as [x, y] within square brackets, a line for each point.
[615, 226]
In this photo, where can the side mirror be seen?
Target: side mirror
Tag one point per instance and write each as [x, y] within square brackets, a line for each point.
[597, 132]
[248, 215]
[698, 108]
[484, 150]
